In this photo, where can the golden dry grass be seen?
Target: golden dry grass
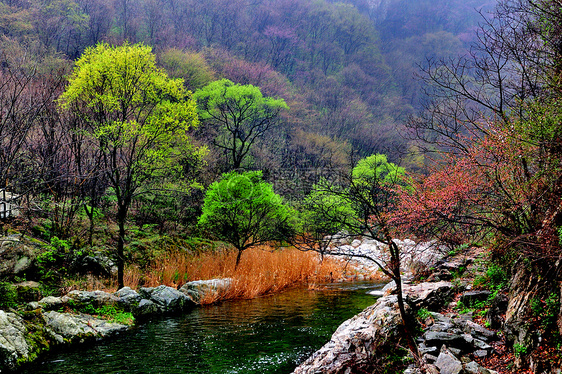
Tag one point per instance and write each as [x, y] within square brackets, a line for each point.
[261, 271]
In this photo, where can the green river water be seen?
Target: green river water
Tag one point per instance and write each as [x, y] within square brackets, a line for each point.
[267, 335]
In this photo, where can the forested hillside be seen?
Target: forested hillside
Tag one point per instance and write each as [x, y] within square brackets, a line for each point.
[345, 69]
[147, 134]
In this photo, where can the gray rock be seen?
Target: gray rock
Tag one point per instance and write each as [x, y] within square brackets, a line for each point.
[474, 368]
[145, 308]
[197, 290]
[455, 263]
[441, 327]
[96, 263]
[429, 358]
[33, 305]
[432, 296]
[94, 298]
[431, 369]
[127, 297]
[51, 303]
[389, 289]
[439, 338]
[163, 300]
[170, 300]
[355, 340]
[480, 353]
[412, 370]
[497, 308]
[440, 318]
[478, 331]
[479, 344]
[472, 297]
[448, 363]
[465, 316]
[455, 351]
[428, 350]
[469, 339]
[79, 328]
[145, 292]
[13, 346]
[15, 257]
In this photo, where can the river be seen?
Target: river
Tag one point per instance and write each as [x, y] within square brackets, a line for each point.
[270, 334]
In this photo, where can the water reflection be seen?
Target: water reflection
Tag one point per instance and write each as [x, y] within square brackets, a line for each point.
[265, 335]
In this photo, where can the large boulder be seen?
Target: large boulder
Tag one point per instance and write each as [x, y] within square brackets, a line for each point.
[94, 298]
[128, 298]
[16, 257]
[13, 346]
[447, 363]
[198, 290]
[65, 327]
[51, 303]
[97, 263]
[161, 300]
[355, 342]
[429, 295]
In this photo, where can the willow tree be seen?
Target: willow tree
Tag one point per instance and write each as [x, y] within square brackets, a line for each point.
[138, 117]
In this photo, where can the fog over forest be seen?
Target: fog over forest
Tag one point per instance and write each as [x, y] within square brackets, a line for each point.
[346, 69]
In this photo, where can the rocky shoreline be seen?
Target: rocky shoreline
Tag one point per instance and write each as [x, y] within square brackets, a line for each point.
[81, 316]
[53, 321]
[450, 341]
[448, 344]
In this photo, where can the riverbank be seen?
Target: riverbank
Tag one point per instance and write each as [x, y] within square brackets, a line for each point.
[450, 339]
[82, 315]
[470, 320]
[31, 324]
[264, 335]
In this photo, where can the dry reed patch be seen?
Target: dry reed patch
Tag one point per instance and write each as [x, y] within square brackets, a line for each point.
[261, 271]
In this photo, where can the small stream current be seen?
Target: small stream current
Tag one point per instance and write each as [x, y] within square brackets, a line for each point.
[270, 334]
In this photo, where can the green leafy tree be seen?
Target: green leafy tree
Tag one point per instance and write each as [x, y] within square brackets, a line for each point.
[241, 115]
[244, 211]
[139, 118]
[323, 213]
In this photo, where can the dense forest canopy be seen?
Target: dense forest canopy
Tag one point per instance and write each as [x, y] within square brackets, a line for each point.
[345, 68]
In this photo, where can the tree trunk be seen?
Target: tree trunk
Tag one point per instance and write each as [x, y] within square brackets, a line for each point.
[238, 259]
[406, 319]
[121, 217]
